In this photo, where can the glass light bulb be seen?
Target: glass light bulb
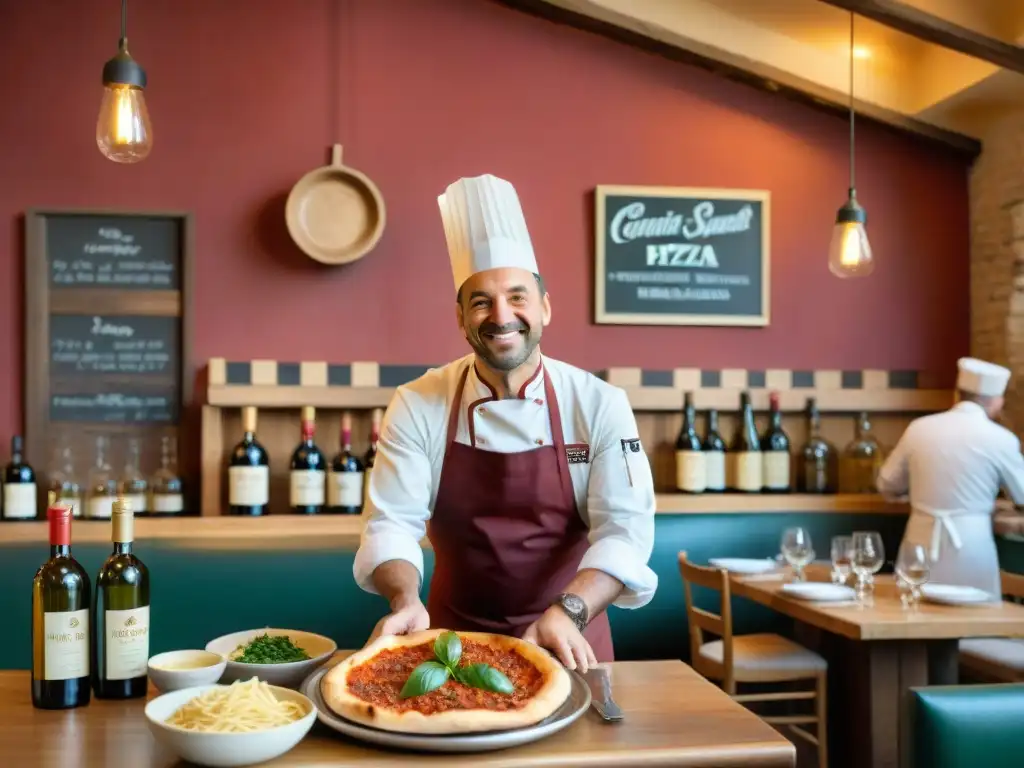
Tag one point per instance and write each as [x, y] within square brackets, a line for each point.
[123, 130]
[849, 253]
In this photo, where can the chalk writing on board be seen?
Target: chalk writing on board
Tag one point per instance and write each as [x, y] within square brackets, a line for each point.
[114, 407]
[113, 345]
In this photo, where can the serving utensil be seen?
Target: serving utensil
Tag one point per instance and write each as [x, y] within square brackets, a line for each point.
[600, 683]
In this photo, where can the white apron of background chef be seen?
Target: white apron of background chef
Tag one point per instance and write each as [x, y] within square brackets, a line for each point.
[609, 471]
[953, 464]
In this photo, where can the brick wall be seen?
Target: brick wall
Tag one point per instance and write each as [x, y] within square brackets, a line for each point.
[997, 255]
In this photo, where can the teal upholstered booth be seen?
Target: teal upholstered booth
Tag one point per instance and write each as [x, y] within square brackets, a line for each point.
[963, 726]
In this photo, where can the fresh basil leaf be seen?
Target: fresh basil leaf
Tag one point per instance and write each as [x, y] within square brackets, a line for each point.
[427, 677]
[448, 649]
[485, 676]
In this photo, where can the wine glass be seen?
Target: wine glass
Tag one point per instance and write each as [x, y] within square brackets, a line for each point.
[913, 568]
[842, 552]
[867, 559]
[797, 550]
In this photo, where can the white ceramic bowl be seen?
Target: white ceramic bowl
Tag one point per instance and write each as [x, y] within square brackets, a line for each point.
[166, 677]
[226, 749]
[290, 674]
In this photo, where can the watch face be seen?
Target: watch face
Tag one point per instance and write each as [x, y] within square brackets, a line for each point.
[573, 603]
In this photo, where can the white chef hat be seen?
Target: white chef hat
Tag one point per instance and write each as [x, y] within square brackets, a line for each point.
[485, 227]
[981, 378]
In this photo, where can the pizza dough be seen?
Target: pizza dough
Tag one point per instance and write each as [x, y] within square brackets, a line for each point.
[365, 687]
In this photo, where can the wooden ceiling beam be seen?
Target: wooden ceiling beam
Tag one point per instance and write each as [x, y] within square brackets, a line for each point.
[937, 30]
[753, 73]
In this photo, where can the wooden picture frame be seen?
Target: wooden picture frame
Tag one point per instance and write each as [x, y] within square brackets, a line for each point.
[748, 254]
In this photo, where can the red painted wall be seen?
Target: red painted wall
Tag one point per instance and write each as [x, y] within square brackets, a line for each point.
[240, 98]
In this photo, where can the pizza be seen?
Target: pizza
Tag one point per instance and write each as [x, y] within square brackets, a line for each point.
[441, 682]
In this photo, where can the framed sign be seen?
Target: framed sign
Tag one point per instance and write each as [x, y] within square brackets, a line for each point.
[681, 256]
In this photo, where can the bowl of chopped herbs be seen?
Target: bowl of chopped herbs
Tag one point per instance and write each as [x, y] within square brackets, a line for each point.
[282, 657]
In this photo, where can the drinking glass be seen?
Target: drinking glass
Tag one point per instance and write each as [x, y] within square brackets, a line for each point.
[842, 552]
[866, 560]
[912, 568]
[797, 549]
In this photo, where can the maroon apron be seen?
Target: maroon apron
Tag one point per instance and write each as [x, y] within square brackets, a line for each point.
[506, 534]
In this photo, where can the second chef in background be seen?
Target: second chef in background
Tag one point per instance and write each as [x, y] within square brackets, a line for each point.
[530, 472]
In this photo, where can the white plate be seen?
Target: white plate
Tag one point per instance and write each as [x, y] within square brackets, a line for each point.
[574, 706]
[745, 564]
[954, 594]
[818, 591]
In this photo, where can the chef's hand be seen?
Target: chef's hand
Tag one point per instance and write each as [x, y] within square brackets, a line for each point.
[406, 616]
[555, 631]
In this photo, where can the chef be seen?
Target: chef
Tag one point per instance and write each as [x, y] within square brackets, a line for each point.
[953, 464]
[526, 473]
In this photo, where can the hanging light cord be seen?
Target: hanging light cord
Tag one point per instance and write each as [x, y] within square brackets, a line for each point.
[852, 185]
[124, 19]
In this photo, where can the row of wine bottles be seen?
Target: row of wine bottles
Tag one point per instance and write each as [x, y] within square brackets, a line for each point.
[89, 640]
[315, 485]
[763, 463]
[93, 496]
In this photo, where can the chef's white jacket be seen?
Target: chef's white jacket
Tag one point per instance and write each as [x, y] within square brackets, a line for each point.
[614, 487]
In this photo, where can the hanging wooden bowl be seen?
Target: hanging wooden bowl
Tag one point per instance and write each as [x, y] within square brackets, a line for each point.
[334, 213]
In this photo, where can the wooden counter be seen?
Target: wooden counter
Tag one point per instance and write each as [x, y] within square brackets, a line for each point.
[292, 527]
[673, 717]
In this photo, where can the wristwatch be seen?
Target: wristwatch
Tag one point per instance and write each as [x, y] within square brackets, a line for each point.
[574, 608]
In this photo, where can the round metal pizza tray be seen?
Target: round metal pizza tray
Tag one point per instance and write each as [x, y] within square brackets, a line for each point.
[575, 705]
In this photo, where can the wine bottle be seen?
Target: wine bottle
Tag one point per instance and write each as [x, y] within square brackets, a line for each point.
[121, 615]
[248, 472]
[817, 458]
[691, 469]
[346, 483]
[102, 486]
[371, 454]
[168, 496]
[308, 476]
[132, 485]
[64, 487]
[714, 455]
[744, 460]
[19, 499]
[775, 452]
[60, 622]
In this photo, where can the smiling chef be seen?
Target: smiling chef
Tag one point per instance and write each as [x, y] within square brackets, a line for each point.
[526, 473]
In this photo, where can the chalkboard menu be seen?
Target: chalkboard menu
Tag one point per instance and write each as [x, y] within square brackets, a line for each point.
[681, 256]
[107, 336]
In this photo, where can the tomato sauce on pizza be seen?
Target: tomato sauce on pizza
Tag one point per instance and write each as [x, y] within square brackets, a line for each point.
[379, 681]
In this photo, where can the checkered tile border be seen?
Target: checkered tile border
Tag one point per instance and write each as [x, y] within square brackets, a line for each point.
[366, 374]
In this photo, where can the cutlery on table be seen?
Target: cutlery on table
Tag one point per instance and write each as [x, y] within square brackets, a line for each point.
[600, 684]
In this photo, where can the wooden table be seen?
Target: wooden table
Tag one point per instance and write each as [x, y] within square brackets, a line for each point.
[673, 717]
[876, 654]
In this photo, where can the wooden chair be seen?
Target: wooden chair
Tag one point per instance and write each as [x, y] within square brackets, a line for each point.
[756, 658]
[995, 659]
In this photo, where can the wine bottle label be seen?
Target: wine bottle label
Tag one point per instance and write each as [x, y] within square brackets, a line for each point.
[166, 503]
[691, 471]
[19, 500]
[65, 644]
[248, 486]
[776, 469]
[747, 470]
[101, 507]
[345, 489]
[126, 635]
[138, 502]
[714, 462]
[308, 486]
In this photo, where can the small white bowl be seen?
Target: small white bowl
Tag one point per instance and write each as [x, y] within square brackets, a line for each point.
[166, 677]
[222, 750]
[289, 674]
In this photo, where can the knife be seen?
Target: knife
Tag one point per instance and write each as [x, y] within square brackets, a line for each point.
[600, 684]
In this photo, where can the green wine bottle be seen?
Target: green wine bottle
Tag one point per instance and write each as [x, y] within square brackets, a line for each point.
[60, 622]
[121, 650]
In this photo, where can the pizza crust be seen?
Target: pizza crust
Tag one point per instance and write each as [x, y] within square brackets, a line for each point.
[553, 692]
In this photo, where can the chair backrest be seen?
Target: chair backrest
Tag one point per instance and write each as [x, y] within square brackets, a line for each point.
[954, 725]
[701, 620]
[1013, 584]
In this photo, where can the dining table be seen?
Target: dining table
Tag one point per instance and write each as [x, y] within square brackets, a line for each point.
[672, 717]
[877, 651]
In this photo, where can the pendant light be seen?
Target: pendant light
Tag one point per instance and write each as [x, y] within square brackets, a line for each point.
[849, 253]
[123, 131]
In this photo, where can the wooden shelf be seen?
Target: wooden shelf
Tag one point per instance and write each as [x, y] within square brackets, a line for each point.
[283, 531]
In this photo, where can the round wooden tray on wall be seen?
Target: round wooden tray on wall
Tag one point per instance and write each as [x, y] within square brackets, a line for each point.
[334, 213]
